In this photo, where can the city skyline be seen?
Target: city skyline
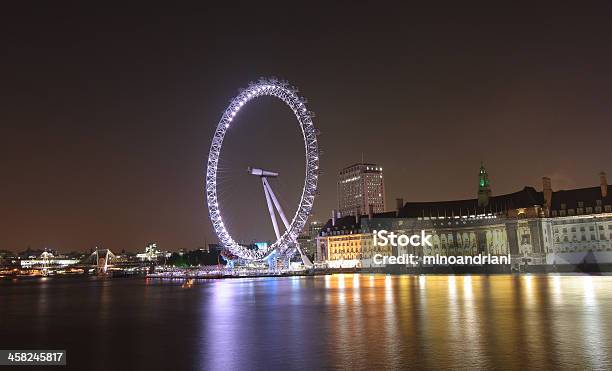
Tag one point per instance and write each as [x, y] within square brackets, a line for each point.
[107, 129]
[312, 220]
[306, 185]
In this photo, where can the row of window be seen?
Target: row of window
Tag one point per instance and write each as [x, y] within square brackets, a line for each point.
[437, 248]
[588, 249]
[376, 249]
[583, 228]
[582, 238]
[581, 204]
[581, 210]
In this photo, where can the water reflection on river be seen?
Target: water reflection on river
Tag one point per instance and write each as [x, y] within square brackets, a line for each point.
[339, 321]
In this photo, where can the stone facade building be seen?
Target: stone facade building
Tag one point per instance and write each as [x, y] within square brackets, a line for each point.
[547, 227]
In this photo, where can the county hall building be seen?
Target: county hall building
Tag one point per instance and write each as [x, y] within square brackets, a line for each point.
[544, 227]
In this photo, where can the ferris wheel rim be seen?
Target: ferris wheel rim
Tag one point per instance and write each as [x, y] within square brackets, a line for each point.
[287, 94]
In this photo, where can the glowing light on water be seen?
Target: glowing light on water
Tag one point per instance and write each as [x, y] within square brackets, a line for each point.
[452, 287]
[422, 281]
[467, 287]
[589, 291]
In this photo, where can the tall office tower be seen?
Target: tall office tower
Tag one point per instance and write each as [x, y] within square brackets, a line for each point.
[361, 187]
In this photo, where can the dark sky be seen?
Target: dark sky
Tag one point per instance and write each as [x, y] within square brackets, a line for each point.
[107, 114]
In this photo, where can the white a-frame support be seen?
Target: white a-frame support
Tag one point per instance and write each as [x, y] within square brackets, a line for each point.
[270, 195]
[273, 203]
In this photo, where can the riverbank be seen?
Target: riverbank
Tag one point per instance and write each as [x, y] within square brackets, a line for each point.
[591, 269]
[396, 270]
[482, 269]
[196, 275]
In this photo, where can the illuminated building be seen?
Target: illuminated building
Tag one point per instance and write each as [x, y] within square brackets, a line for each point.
[152, 253]
[47, 260]
[579, 229]
[361, 188]
[308, 239]
[547, 227]
[314, 228]
[350, 247]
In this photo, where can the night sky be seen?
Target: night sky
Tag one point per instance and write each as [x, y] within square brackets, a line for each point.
[107, 114]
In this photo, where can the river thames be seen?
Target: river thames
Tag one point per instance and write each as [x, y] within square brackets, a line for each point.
[341, 321]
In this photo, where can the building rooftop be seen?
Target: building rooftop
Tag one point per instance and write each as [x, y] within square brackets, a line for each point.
[525, 198]
[360, 164]
[588, 196]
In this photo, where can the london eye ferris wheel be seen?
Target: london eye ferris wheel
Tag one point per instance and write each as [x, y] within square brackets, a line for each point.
[286, 240]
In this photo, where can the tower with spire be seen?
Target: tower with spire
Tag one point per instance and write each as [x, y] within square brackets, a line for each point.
[484, 190]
